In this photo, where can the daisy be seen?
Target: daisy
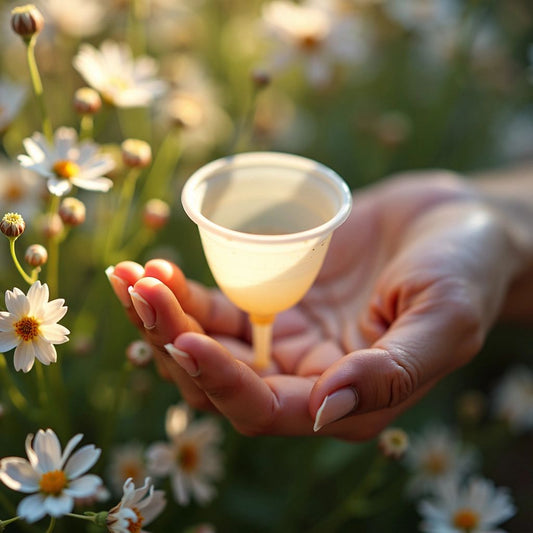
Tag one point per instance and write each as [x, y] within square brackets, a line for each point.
[477, 507]
[127, 462]
[435, 455]
[393, 442]
[66, 163]
[65, 16]
[137, 508]
[30, 326]
[122, 80]
[53, 478]
[12, 96]
[191, 458]
[313, 36]
[513, 399]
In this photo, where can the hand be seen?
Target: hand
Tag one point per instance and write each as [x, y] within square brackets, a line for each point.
[411, 284]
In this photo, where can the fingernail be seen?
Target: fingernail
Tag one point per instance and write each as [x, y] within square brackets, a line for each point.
[184, 360]
[335, 406]
[119, 286]
[143, 308]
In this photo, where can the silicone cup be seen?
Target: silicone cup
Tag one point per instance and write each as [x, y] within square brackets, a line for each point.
[265, 221]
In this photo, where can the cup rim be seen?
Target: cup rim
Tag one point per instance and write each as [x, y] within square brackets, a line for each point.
[270, 158]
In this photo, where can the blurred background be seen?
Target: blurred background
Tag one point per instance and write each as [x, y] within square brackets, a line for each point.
[402, 84]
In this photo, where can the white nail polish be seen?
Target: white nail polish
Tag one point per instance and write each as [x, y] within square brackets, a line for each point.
[335, 406]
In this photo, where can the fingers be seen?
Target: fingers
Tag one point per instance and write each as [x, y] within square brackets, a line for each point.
[254, 405]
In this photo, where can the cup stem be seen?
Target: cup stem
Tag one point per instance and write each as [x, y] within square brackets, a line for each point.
[262, 339]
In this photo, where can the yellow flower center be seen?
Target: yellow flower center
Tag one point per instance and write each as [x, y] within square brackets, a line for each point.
[130, 469]
[53, 482]
[188, 457]
[309, 42]
[27, 328]
[465, 519]
[65, 169]
[135, 527]
[436, 464]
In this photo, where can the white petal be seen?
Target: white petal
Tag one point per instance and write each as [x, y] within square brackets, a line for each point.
[93, 184]
[179, 488]
[24, 357]
[54, 311]
[38, 295]
[59, 505]
[8, 340]
[17, 303]
[59, 187]
[157, 504]
[71, 444]
[44, 351]
[32, 508]
[81, 461]
[18, 474]
[54, 333]
[48, 450]
[160, 457]
[84, 486]
[37, 147]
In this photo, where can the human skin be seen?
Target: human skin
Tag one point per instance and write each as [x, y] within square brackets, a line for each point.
[412, 283]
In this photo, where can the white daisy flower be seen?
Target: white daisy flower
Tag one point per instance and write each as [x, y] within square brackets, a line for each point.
[137, 508]
[121, 79]
[66, 163]
[53, 478]
[77, 18]
[12, 96]
[191, 458]
[317, 38]
[30, 326]
[127, 462]
[477, 507]
[513, 399]
[434, 455]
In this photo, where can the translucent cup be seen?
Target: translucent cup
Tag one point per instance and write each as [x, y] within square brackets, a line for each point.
[265, 221]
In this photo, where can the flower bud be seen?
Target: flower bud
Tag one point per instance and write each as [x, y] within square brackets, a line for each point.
[12, 225]
[136, 153]
[50, 225]
[72, 211]
[393, 442]
[139, 353]
[36, 255]
[156, 213]
[87, 101]
[26, 21]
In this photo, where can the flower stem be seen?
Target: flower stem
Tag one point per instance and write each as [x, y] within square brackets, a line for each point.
[52, 525]
[52, 266]
[38, 88]
[86, 127]
[17, 398]
[27, 279]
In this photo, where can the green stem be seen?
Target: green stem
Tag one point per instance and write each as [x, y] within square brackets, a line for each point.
[243, 131]
[168, 154]
[52, 266]
[52, 525]
[4, 523]
[27, 279]
[137, 37]
[119, 220]
[44, 398]
[86, 127]
[17, 398]
[38, 88]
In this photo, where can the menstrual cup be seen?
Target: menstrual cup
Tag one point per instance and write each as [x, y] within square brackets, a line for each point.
[265, 221]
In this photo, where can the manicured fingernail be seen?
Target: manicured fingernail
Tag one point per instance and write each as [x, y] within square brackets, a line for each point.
[143, 308]
[184, 360]
[119, 286]
[335, 406]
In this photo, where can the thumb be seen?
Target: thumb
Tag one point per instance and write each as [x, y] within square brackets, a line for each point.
[419, 348]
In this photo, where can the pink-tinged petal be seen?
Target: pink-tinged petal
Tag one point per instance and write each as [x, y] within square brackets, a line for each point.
[44, 351]
[54, 333]
[24, 357]
[8, 340]
[160, 459]
[93, 184]
[18, 474]
[84, 486]
[17, 303]
[48, 449]
[71, 444]
[32, 508]
[179, 488]
[30, 452]
[81, 461]
[59, 505]
[157, 504]
[59, 187]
